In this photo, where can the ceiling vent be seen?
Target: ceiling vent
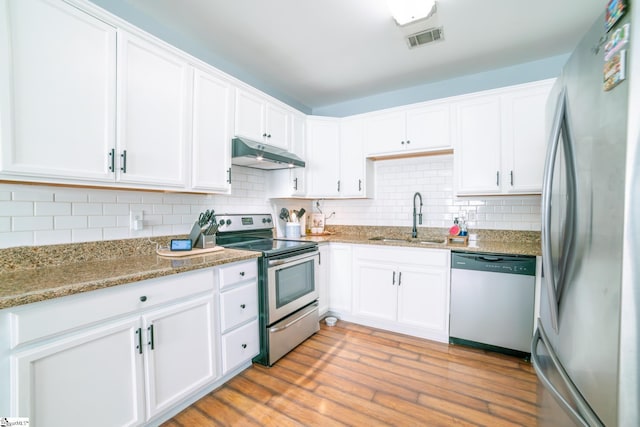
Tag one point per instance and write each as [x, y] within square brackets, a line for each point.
[425, 37]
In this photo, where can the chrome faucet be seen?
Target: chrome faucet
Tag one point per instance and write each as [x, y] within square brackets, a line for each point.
[414, 232]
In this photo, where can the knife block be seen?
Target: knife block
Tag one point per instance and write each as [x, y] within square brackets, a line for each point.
[201, 240]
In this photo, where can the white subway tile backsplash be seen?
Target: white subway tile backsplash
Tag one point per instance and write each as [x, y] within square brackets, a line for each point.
[70, 222]
[102, 221]
[71, 196]
[50, 237]
[5, 224]
[115, 233]
[79, 235]
[115, 209]
[86, 208]
[52, 208]
[32, 195]
[33, 223]
[102, 196]
[11, 208]
[20, 238]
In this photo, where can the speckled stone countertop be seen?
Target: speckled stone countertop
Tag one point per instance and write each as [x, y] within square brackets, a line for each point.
[491, 241]
[36, 273]
[31, 274]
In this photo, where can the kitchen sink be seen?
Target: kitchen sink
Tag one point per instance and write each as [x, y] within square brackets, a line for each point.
[388, 239]
[432, 241]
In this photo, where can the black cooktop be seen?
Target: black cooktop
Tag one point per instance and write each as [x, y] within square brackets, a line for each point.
[266, 246]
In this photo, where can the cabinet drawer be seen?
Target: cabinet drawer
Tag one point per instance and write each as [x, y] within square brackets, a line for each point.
[239, 346]
[238, 305]
[405, 255]
[42, 319]
[237, 273]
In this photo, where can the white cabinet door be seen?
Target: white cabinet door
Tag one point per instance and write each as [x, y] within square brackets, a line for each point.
[340, 278]
[422, 297]
[352, 161]
[324, 278]
[95, 376]
[211, 156]
[478, 145]
[277, 126]
[260, 120]
[179, 352]
[377, 290]
[153, 103]
[298, 146]
[59, 65]
[428, 127]
[249, 116]
[524, 138]
[323, 139]
[385, 133]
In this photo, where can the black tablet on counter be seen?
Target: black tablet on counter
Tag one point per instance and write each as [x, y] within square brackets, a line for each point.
[180, 245]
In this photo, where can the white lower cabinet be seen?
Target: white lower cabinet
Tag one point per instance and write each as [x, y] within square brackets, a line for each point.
[402, 289]
[128, 355]
[179, 352]
[94, 377]
[324, 278]
[240, 340]
[340, 283]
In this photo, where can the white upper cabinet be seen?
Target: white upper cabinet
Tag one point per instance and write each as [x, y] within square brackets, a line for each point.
[58, 91]
[500, 141]
[477, 152]
[356, 172]
[336, 166]
[211, 136]
[421, 128]
[153, 113]
[260, 120]
[323, 162]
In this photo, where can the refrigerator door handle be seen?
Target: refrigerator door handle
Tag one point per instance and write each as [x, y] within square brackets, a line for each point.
[547, 184]
[584, 415]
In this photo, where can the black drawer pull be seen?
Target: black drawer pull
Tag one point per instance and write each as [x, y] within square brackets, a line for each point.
[243, 306]
[244, 346]
[143, 298]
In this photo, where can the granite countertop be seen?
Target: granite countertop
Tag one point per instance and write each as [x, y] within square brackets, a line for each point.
[57, 278]
[491, 241]
[38, 273]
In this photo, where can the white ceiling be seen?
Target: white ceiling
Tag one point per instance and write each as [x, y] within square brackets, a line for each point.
[325, 52]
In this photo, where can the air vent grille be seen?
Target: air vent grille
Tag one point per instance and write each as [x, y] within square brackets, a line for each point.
[425, 37]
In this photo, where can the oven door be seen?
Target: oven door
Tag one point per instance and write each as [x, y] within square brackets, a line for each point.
[291, 284]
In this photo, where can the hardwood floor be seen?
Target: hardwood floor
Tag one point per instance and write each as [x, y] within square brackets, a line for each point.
[354, 375]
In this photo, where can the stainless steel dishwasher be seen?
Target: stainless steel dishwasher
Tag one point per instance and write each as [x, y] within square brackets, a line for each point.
[492, 299]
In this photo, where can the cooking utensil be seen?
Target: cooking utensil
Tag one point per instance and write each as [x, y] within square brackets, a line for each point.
[301, 213]
[284, 214]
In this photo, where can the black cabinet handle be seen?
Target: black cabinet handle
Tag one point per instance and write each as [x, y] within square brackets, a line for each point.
[244, 346]
[143, 298]
[139, 339]
[359, 185]
[112, 160]
[338, 186]
[242, 273]
[295, 184]
[243, 306]
[394, 278]
[511, 178]
[123, 157]
[399, 278]
[408, 141]
[498, 179]
[150, 330]
[229, 175]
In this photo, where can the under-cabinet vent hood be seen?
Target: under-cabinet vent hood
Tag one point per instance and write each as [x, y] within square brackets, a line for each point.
[252, 154]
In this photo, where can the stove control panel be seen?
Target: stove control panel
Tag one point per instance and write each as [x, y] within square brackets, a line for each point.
[240, 222]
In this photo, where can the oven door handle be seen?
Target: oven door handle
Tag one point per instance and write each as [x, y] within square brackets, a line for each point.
[294, 321]
[276, 262]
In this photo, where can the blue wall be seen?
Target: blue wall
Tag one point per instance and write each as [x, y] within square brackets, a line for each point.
[522, 73]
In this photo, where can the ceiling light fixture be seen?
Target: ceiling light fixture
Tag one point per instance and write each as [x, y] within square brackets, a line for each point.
[408, 11]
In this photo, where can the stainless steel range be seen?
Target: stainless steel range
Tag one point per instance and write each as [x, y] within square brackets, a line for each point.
[287, 282]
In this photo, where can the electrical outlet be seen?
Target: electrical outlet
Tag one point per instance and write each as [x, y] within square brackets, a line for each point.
[136, 220]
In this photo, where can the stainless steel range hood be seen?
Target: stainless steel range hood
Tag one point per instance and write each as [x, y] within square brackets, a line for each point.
[252, 154]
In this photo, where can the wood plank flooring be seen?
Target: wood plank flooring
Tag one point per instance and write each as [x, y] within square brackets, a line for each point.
[354, 375]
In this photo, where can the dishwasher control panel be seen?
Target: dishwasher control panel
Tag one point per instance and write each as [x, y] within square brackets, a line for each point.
[513, 264]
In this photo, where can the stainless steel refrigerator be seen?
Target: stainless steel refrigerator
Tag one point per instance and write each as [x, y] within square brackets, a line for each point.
[585, 349]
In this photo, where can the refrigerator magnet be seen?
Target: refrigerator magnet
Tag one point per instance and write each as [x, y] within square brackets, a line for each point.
[614, 70]
[615, 10]
[616, 41]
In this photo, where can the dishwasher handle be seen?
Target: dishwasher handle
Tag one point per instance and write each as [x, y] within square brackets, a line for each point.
[490, 259]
